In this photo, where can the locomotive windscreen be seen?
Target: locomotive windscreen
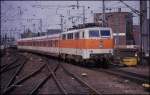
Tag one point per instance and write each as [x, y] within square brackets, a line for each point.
[105, 32]
[94, 33]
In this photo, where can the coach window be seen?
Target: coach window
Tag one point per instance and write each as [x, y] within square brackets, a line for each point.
[33, 43]
[42, 43]
[77, 35]
[70, 36]
[39, 43]
[51, 43]
[45, 43]
[56, 43]
[64, 36]
[36, 43]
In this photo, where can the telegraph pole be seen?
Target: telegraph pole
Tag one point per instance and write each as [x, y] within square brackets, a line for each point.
[141, 32]
[40, 25]
[77, 4]
[103, 22]
[83, 14]
[61, 22]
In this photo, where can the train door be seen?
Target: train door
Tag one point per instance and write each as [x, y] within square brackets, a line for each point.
[82, 44]
[77, 37]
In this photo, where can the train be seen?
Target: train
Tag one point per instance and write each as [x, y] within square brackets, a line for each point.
[89, 45]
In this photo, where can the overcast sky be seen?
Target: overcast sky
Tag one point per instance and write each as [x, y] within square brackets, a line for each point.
[15, 13]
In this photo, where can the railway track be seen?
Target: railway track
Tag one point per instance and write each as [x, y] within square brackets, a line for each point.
[10, 64]
[15, 68]
[139, 79]
[64, 80]
[60, 85]
[14, 85]
[114, 70]
[90, 89]
[7, 67]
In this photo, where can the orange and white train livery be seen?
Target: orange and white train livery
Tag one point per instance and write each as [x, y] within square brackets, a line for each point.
[87, 44]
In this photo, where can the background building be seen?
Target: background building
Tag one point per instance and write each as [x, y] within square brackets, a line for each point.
[121, 24]
[136, 34]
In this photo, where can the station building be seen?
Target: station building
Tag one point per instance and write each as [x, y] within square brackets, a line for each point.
[136, 34]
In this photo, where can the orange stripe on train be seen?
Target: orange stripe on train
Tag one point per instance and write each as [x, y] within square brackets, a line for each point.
[87, 43]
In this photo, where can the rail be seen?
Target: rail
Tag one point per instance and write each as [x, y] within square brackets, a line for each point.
[91, 89]
[127, 75]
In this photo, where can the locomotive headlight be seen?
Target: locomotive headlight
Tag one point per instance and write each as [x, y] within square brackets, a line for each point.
[135, 54]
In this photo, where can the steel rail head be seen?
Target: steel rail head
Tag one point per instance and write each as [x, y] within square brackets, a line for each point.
[55, 79]
[33, 92]
[133, 78]
[43, 81]
[6, 91]
[92, 90]
[9, 65]
[16, 73]
[132, 74]
[3, 66]
[10, 68]
[56, 68]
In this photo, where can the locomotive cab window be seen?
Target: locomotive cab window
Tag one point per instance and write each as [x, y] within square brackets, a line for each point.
[105, 33]
[94, 33]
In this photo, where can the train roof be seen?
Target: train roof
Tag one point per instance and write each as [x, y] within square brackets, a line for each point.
[57, 35]
[89, 28]
[40, 37]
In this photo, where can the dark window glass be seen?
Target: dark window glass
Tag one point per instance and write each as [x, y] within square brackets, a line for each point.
[70, 36]
[56, 43]
[82, 34]
[94, 33]
[63, 36]
[77, 35]
[50, 43]
[105, 32]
